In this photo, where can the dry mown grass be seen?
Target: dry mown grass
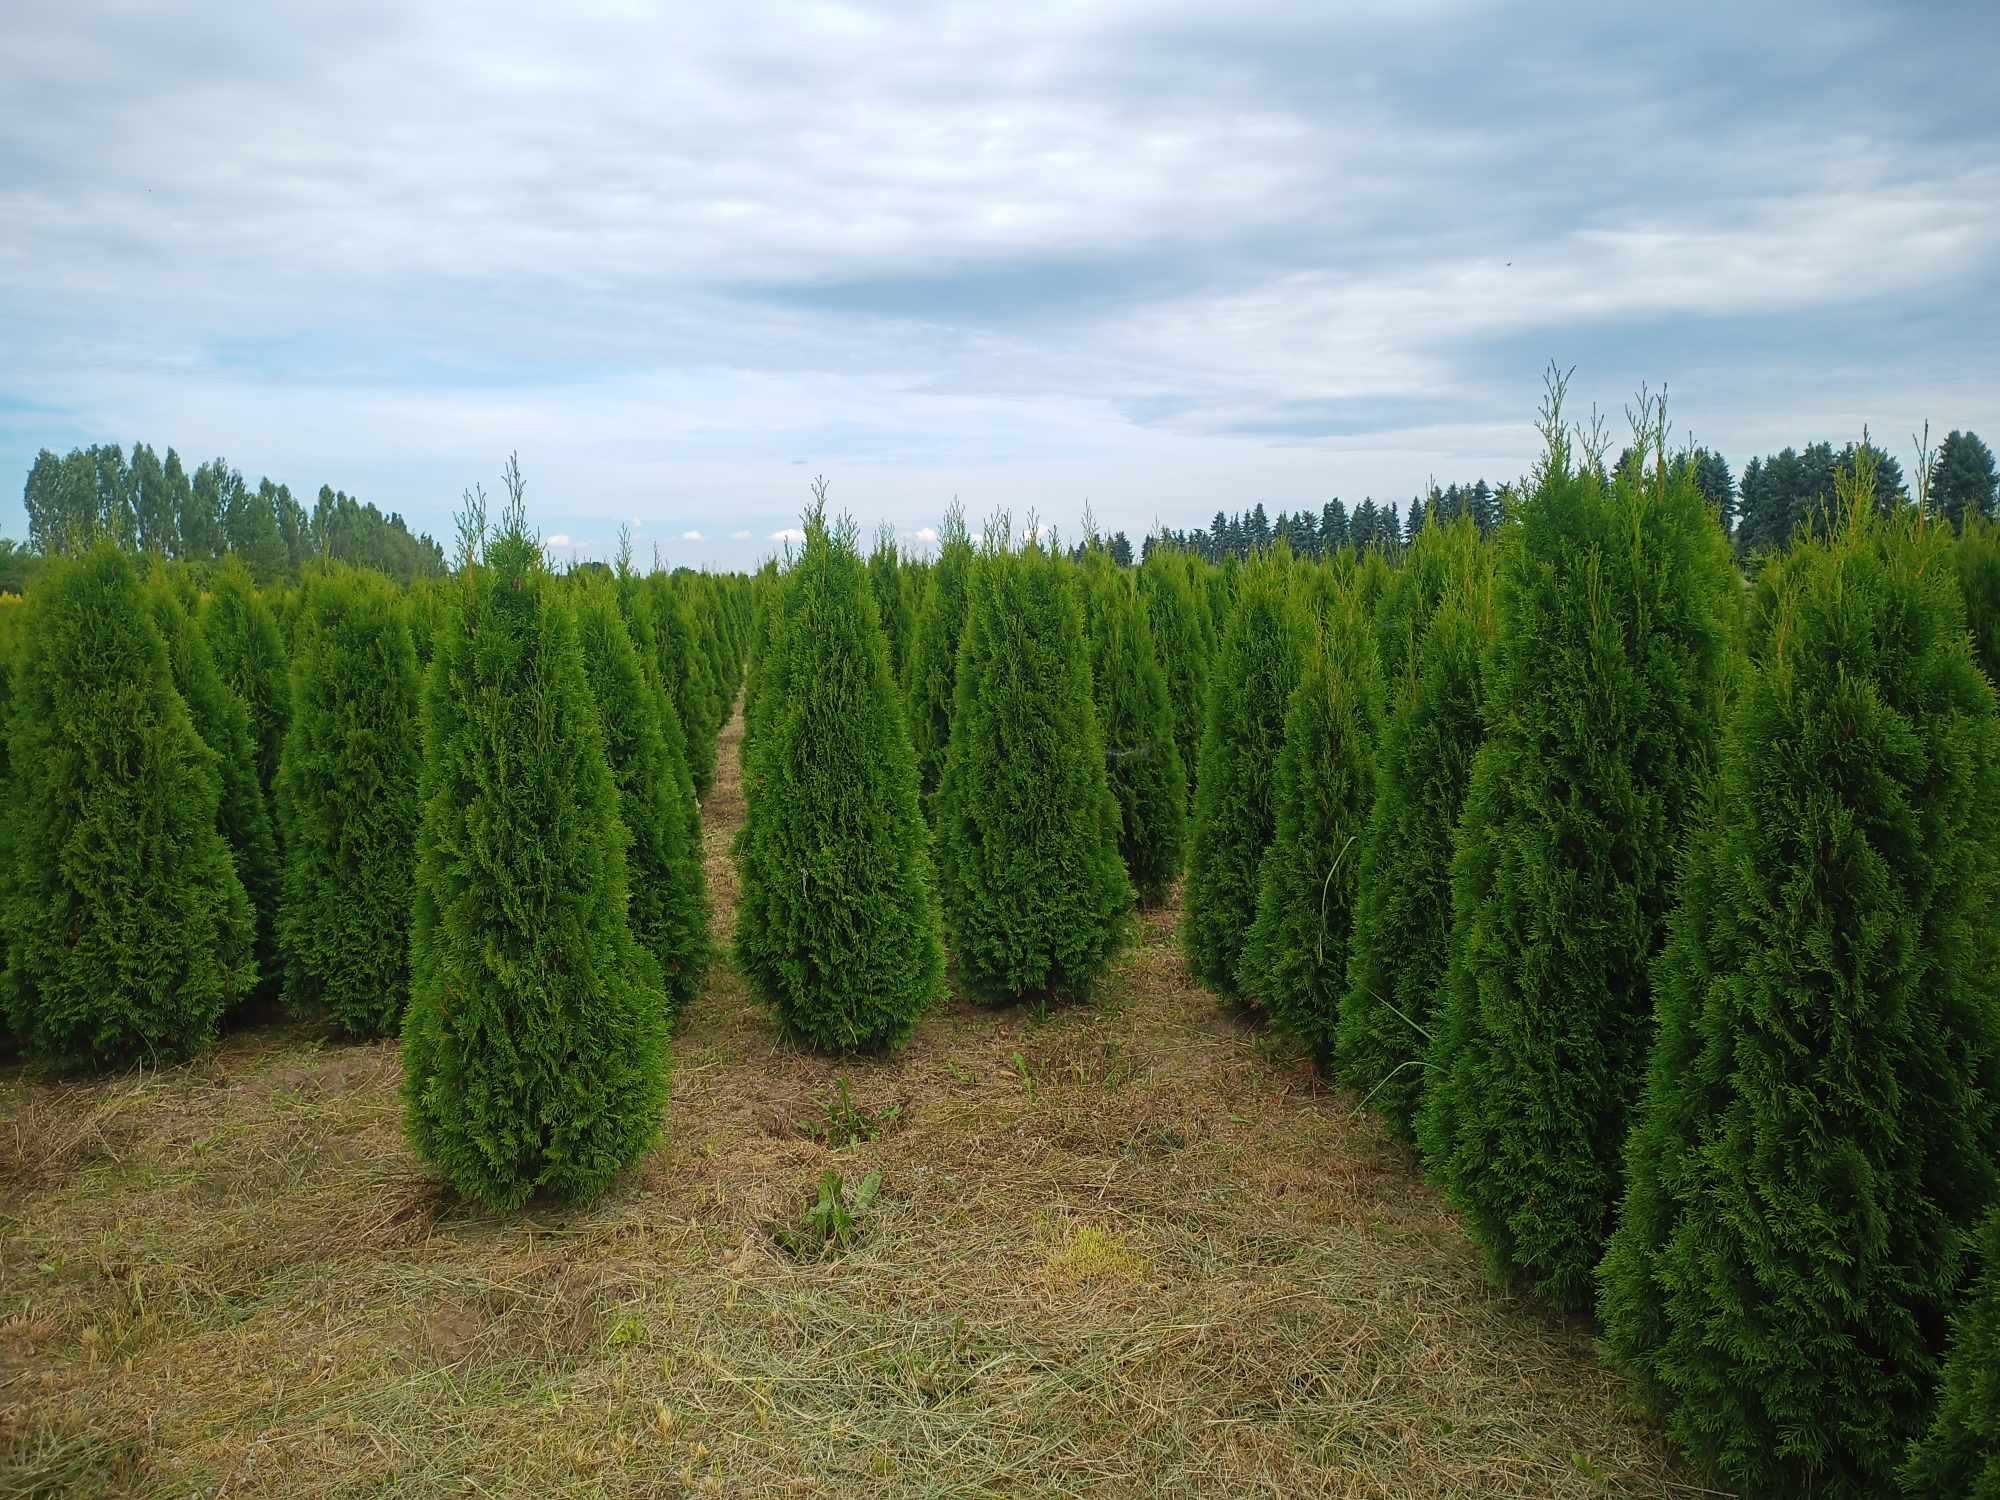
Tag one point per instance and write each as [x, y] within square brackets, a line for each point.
[1124, 1251]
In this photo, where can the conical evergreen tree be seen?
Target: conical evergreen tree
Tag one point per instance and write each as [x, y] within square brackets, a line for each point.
[222, 719]
[1035, 896]
[1135, 715]
[1606, 684]
[1401, 944]
[1960, 1455]
[1177, 612]
[347, 801]
[837, 924]
[535, 1050]
[685, 675]
[934, 654]
[13, 622]
[249, 650]
[885, 577]
[1294, 961]
[130, 934]
[668, 912]
[1978, 553]
[1236, 815]
[1820, 1133]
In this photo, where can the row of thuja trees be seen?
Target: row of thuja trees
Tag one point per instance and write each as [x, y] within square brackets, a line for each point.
[1656, 906]
[466, 814]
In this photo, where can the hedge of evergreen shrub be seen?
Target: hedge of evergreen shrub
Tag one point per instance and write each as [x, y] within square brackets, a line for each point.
[837, 922]
[934, 652]
[1401, 943]
[347, 802]
[222, 719]
[129, 934]
[1135, 715]
[1606, 684]
[668, 910]
[1820, 1132]
[535, 1047]
[1250, 691]
[686, 677]
[1036, 898]
[1294, 963]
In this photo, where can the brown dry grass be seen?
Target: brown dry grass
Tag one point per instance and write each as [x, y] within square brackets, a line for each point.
[1132, 1250]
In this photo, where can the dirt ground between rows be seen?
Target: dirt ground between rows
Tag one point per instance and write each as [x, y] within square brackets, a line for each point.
[1130, 1250]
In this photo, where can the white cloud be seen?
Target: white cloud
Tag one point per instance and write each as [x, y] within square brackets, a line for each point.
[789, 534]
[560, 539]
[690, 536]
[739, 536]
[928, 535]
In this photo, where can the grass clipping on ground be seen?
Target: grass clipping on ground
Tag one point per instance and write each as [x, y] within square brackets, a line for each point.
[1133, 1250]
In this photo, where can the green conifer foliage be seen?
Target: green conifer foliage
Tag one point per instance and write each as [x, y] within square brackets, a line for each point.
[685, 675]
[1978, 554]
[1035, 895]
[1402, 917]
[1250, 689]
[1820, 1133]
[837, 922]
[130, 934]
[1294, 963]
[222, 719]
[347, 801]
[1177, 612]
[934, 654]
[249, 650]
[13, 620]
[668, 911]
[885, 577]
[1960, 1455]
[1135, 716]
[1604, 691]
[535, 1049]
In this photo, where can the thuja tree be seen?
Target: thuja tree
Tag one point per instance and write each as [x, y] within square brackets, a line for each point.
[1960, 1454]
[1250, 691]
[347, 803]
[1135, 715]
[1036, 897]
[1401, 943]
[837, 924]
[685, 676]
[1605, 687]
[222, 719]
[1978, 553]
[668, 911]
[1294, 962]
[885, 577]
[13, 616]
[1177, 614]
[129, 933]
[1820, 1132]
[535, 1048]
[934, 651]
[249, 650]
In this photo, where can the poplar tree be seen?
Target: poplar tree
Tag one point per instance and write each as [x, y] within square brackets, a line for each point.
[1036, 898]
[1820, 1132]
[347, 801]
[1250, 689]
[1606, 685]
[129, 934]
[535, 1047]
[838, 924]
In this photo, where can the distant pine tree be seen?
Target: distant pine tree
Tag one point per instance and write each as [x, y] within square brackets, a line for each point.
[534, 1051]
[129, 934]
[1820, 1132]
[1135, 716]
[1616, 607]
[668, 910]
[347, 800]
[1294, 962]
[1256, 669]
[1035, 895]
[837, 924]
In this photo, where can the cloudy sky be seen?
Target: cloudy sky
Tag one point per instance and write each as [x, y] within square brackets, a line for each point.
[1164, 258]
